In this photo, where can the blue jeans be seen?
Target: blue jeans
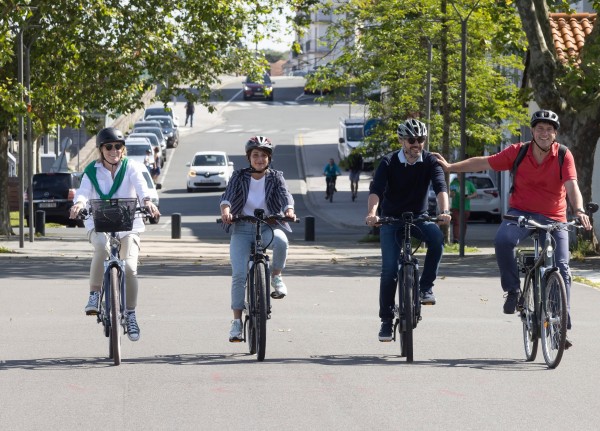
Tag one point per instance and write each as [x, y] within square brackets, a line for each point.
[390, 238]
[242, 237]
[510, 235]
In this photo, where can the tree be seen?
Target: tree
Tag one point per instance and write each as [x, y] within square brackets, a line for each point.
[571, 89]
[101, 56]
[391, 52]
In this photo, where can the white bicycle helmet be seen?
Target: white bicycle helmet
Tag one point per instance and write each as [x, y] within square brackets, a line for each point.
[260, 142]
[545, 116]
[412, 128]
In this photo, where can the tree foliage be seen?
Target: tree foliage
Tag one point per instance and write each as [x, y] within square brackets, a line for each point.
[391, 40]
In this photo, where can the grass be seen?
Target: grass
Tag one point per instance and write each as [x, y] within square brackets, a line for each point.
[14, 220]
[582, 249]
[586, 281]
[5, 250]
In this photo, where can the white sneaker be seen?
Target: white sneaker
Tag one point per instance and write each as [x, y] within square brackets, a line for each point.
[133, 330]
[235, 334]
[91, 309]
[279, 288]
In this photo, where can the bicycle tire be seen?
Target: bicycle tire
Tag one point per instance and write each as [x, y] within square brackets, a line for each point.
[529, 320]
[331, 191]
[554, 319]
[251, 318]
[115, 333]
[261, 309]
[408, 305]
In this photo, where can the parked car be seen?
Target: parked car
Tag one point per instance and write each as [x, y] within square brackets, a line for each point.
[155, 110]
[169, 129]
[155, 130]
[137, 151]
[153, 139]
[256, 87]
[53, 193]
[152, 188]
[209, 170]
[487, 204]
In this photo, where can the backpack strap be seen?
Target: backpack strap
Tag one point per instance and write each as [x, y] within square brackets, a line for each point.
[562, 150]
[517, 162]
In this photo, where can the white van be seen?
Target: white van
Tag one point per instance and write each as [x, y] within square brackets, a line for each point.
[351, 135]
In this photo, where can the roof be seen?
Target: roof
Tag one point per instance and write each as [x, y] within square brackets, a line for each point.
[569, 32]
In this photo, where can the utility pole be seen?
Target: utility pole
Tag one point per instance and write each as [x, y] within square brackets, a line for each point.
[463, 121]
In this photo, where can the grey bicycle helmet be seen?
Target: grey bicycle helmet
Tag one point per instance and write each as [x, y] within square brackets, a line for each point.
[260, 142]
[545, 116]
[109, 135]
[412, 128]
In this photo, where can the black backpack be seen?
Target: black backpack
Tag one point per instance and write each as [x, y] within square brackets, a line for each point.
[562, 150]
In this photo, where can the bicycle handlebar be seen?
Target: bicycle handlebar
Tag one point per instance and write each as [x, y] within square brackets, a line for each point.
[528, 222]
[84, 213]
[411, 219]
[265, 219]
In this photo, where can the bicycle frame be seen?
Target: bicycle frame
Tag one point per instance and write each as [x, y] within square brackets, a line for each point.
[258, 254]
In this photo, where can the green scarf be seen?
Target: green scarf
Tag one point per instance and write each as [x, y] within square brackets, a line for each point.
[90, 171]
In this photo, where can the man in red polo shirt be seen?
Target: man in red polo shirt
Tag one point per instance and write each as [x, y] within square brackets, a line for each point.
[538, 192]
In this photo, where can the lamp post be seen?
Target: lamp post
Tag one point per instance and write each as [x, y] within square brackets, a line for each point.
[21, 143]
[463, 121]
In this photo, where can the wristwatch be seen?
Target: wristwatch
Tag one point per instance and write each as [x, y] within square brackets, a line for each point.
[447, 212]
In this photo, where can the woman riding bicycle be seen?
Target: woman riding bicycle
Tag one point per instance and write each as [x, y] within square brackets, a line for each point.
[255, 187]
[112, 175]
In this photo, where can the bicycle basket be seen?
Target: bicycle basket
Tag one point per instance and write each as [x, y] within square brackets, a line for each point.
[113, 215]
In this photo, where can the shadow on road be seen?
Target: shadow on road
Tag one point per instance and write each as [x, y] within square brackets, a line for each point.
[491, 364]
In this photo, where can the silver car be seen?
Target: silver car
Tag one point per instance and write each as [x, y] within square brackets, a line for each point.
[487, 205]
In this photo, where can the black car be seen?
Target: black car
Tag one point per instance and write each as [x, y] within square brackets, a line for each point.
[258, 87]
[53, 193]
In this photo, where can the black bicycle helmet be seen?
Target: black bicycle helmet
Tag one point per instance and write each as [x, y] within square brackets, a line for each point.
[545, 116]
[109, 135]
[260, 142]
[411, 128]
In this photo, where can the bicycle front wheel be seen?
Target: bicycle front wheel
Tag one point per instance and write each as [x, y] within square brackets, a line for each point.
[407, 324]
[554, 319]
[260, 279]
[115, 333]
[529, 320]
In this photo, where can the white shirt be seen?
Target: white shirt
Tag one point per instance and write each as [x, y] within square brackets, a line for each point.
[133, 185]
[256, 196]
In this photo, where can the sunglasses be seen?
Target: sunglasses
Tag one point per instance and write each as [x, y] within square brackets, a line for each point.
[420, 140]
[109, 147]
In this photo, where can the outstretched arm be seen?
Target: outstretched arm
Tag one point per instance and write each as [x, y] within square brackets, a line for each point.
[474, 164]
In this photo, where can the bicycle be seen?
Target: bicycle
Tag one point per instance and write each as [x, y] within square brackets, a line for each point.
[330, 187]
[408, 310]
[257, 308]
[112, 216]
[542, 303]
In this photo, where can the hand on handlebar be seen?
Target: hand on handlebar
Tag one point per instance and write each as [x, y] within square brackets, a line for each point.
[371, 220]
[585, 221]
[75, 210]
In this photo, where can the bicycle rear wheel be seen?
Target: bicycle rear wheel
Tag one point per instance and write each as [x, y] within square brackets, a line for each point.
[406, 301]
[115, 333]
[554, 319]
[529, 320]
[260, 285]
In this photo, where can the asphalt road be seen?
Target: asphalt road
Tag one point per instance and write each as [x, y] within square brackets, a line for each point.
[324, 367]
